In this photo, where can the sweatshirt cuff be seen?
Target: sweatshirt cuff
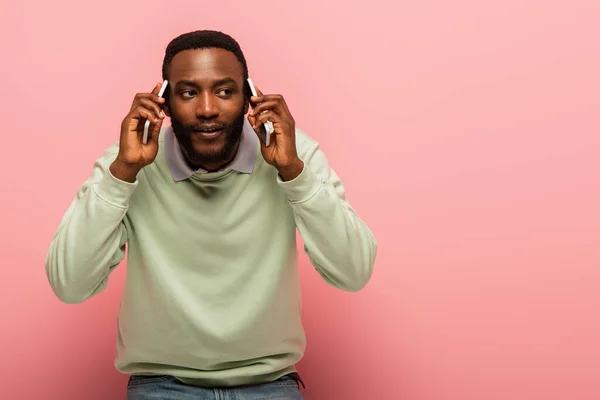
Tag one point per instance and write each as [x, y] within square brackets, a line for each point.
[303, 187]
[115, 191]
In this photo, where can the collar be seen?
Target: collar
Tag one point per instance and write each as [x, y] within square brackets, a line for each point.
[242, 162]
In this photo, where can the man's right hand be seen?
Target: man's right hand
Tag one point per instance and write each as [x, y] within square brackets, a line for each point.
[133, 153]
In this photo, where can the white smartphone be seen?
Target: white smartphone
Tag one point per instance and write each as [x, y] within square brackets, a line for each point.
[161, 92]
[267, 128]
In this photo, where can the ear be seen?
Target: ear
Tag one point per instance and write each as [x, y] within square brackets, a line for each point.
[166, 109]
[247, 95]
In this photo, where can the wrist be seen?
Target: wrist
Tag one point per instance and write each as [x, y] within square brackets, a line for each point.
[123, 171]
[291, 171]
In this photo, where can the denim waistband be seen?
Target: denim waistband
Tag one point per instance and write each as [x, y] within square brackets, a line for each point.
[133, 378]
[296, 377]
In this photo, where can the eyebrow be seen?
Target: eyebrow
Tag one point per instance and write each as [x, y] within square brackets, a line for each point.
[218, 82]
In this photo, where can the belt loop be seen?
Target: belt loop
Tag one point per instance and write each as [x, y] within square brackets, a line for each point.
[297, 377]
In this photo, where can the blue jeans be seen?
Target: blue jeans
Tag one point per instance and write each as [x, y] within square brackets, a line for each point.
[169, 388]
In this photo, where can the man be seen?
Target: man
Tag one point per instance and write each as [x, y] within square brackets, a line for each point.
[211, 304]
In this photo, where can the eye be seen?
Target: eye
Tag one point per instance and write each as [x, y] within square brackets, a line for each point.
[186, 94]
[225, 92]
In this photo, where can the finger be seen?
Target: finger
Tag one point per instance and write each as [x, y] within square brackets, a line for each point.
[151, 102]
[158, 100]
[147, 96]
[254, 123]
[154, 132]
[262, 107]
[151, 105]
[141, 114]
[259, 97]
[262, 98]
[257, 126]
[251, 119]
[156, 88]
[152, 95]
[264, 117]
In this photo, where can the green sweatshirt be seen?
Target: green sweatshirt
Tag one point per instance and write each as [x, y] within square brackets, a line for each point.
[212, 294]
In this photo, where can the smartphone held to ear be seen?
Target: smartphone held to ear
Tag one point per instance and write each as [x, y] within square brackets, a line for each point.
[147, 123]
[266, 128]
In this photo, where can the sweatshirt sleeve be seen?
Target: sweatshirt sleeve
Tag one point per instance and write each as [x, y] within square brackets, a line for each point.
[338, 243]
[90, 240]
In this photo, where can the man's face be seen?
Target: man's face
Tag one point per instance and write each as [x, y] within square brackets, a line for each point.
[207, 105]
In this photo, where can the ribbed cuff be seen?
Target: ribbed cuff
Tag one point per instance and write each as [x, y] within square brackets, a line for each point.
[115, 191]
[303, 187]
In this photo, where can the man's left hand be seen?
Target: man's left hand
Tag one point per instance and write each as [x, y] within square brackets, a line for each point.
[281, 152]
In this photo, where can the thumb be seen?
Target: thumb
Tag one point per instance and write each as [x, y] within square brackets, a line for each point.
[252, 121]
[154, 131]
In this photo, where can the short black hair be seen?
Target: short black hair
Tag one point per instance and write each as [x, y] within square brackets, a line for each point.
[204, 39]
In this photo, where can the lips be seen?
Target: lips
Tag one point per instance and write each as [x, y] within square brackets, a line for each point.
[208, 131]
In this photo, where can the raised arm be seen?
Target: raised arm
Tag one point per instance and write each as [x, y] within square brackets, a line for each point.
[339, 244]
[91, 237]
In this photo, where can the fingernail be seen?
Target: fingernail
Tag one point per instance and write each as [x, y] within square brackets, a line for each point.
[162, 114]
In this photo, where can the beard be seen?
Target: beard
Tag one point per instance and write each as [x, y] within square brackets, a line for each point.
[232, 133]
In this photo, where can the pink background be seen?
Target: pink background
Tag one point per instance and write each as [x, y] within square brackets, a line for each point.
[466, 132]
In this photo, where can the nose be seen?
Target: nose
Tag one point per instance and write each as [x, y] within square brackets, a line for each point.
[206, 106]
